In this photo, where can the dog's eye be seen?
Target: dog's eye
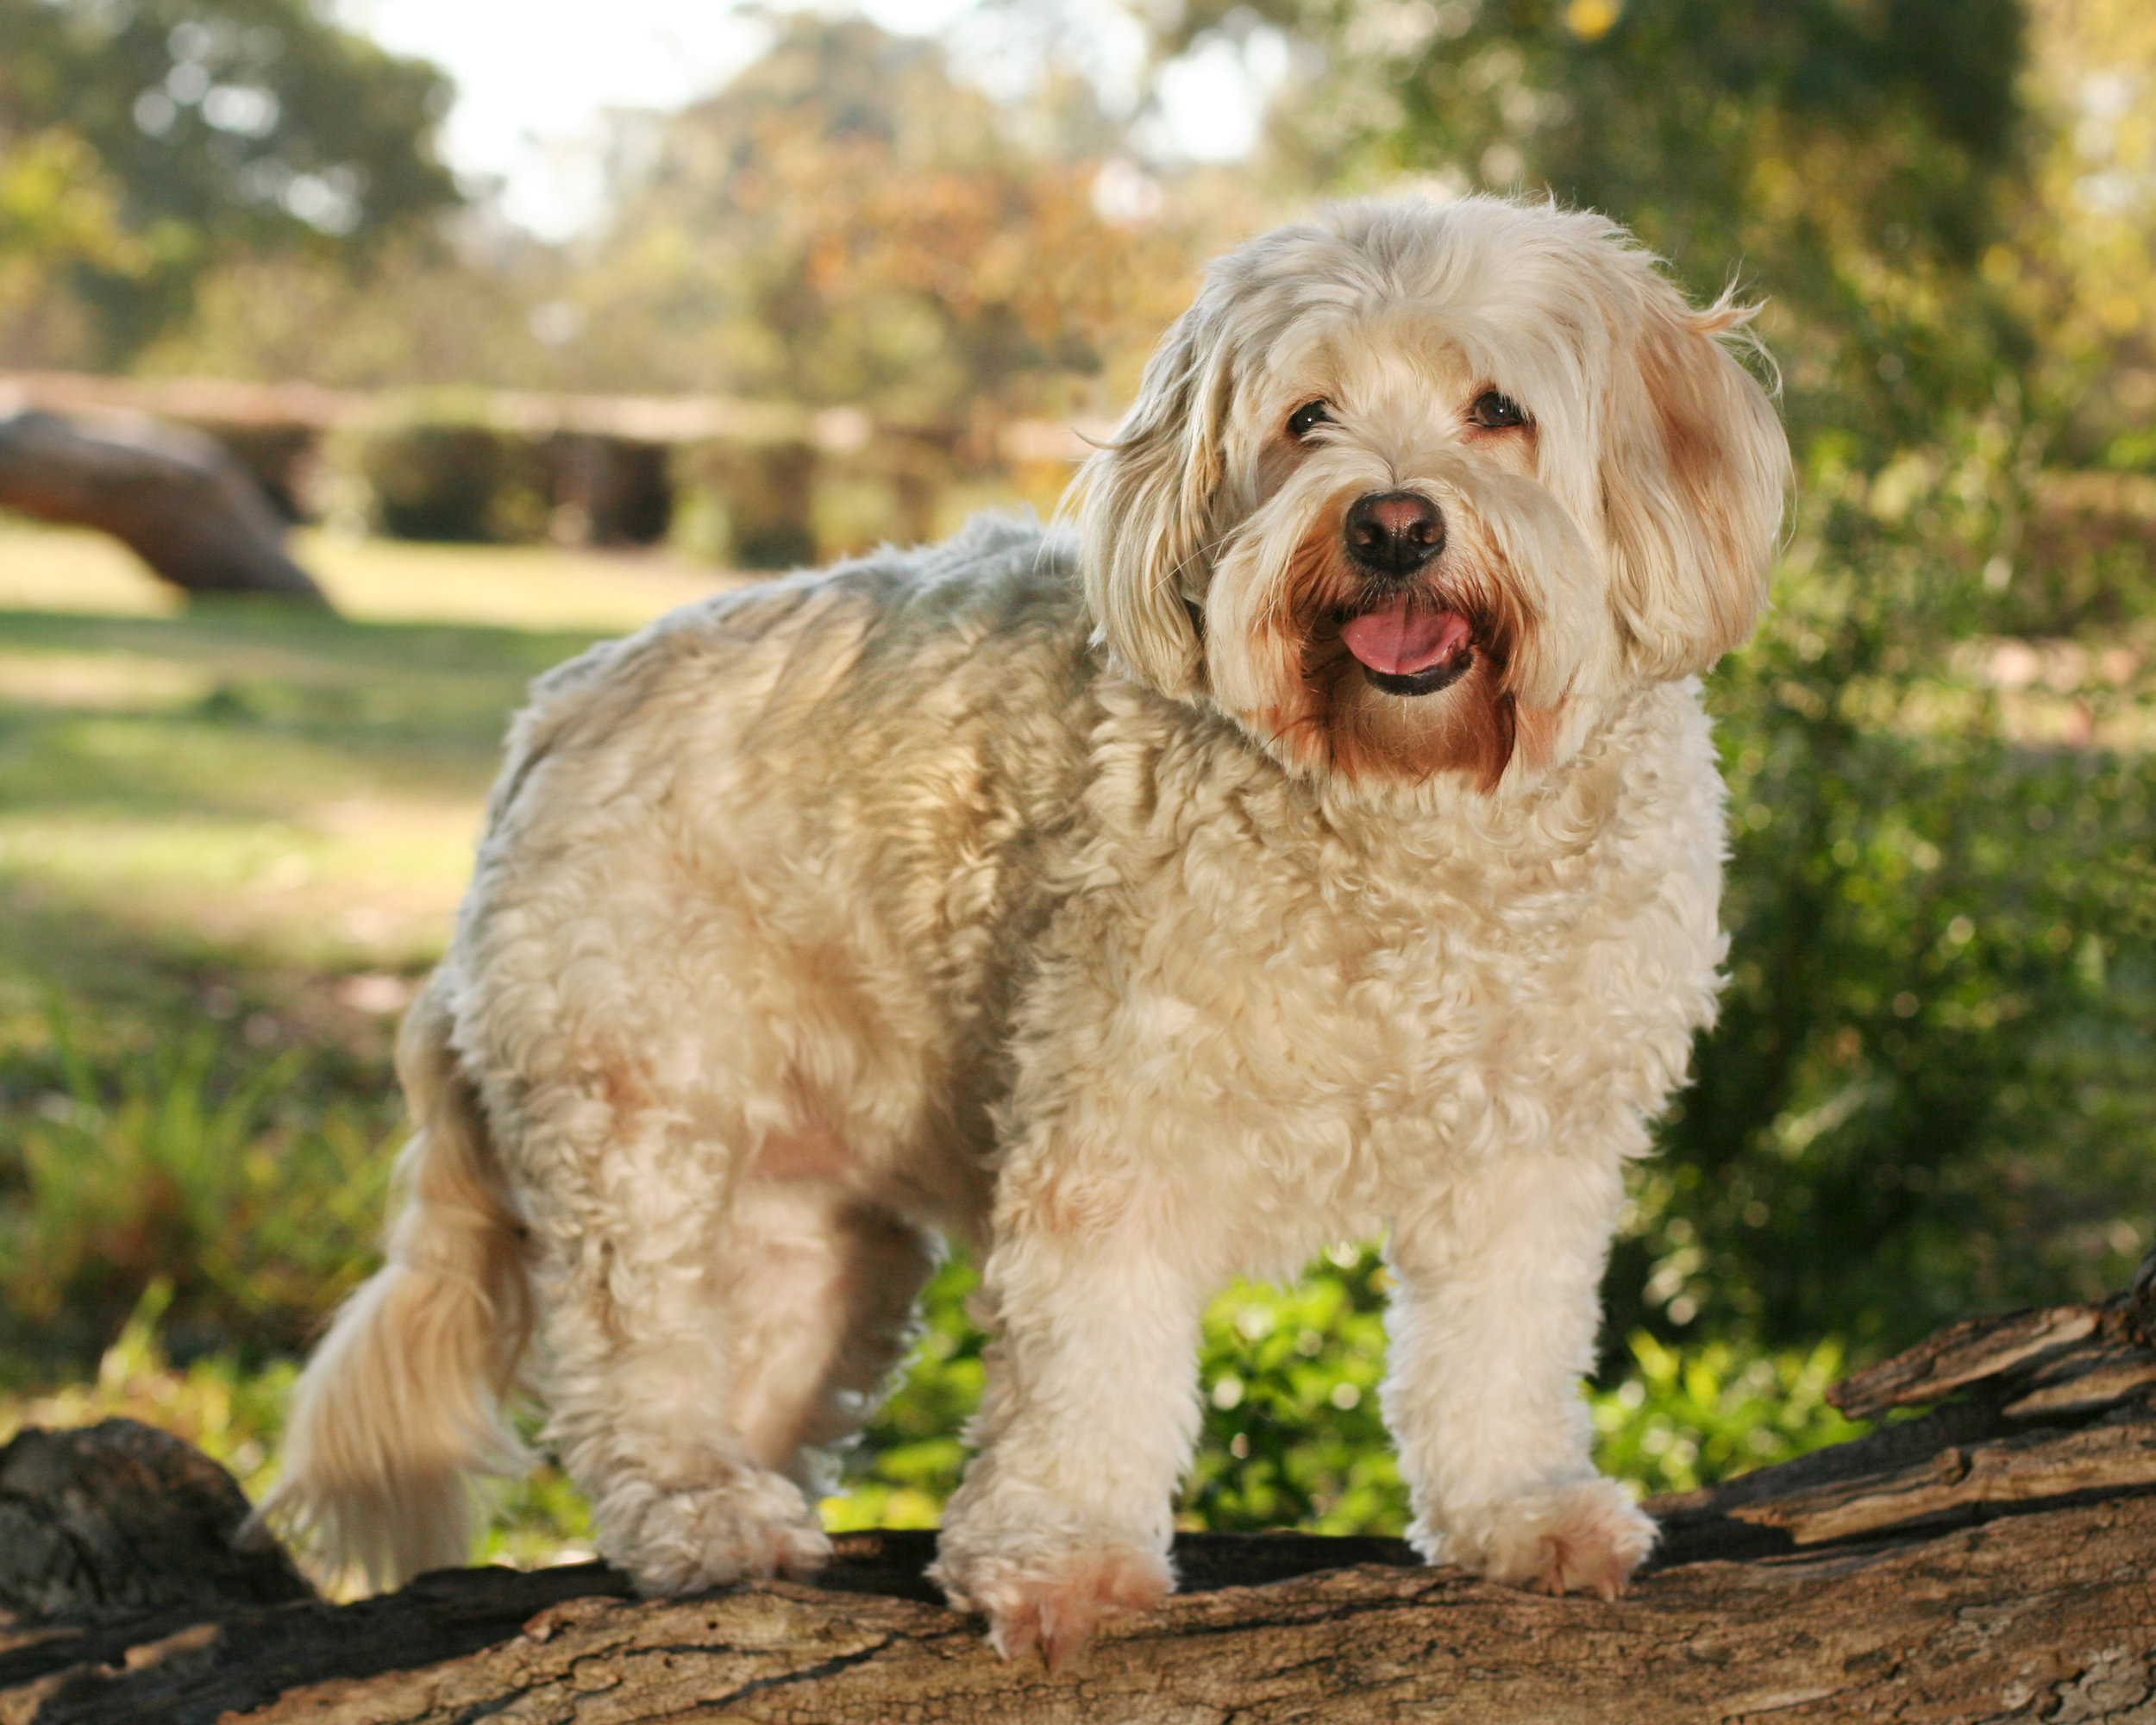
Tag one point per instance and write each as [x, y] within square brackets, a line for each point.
[1496, 412]
[1309, 414]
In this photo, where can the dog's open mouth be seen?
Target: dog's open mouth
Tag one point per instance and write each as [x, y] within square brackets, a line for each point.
[1406, 649]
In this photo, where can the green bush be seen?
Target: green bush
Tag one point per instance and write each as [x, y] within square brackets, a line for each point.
[1928, 1092]
[457, 482]
[908, 1460]
[1292, 1434]
[1288, 1378]
[253, 1195]
[1681, 1420]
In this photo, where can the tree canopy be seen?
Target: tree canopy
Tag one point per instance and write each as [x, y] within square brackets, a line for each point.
[143, 141]
[849, 220]
[1847, 157]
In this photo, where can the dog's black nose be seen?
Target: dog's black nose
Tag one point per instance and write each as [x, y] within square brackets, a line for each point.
[1394, 532]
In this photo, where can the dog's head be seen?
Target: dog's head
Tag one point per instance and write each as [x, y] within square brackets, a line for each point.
[1421, 487]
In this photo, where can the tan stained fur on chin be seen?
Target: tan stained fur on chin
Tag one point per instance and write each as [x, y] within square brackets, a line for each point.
[399, 1411]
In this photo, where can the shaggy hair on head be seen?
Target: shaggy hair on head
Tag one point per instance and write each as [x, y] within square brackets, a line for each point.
[1324, 841]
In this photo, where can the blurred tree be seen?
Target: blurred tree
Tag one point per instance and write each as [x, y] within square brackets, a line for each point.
[848, 222]
[58, 212]
[423, 309]
[193, 131]
[2081, 267]
[1927, 1094]
[1849, 156]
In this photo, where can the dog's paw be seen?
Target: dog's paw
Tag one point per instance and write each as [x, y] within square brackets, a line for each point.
[687, 1540]
[1054, 1603]
[1587, 1536]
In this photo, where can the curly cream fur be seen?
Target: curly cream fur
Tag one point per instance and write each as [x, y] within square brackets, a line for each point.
[1093, 903]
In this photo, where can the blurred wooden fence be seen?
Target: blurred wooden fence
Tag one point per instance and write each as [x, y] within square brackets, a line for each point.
[757, 484]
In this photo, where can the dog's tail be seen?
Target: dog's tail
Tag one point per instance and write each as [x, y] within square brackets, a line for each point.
[401, 1406]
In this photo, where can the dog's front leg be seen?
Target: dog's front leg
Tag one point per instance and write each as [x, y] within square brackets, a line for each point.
[1493, 1325]
[1089, 1412]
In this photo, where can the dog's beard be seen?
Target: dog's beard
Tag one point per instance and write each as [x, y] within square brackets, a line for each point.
[1370, 678]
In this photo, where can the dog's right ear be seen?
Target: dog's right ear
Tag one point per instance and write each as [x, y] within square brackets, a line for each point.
[1147, 508]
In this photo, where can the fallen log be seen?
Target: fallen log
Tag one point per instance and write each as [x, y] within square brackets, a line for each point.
[119, 1520]
[174, 497]
[1992, 1558]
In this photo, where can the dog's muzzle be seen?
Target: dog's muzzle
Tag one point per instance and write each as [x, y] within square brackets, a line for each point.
[1406, 641]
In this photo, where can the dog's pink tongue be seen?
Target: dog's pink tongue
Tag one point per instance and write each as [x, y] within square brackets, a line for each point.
[1399, 640]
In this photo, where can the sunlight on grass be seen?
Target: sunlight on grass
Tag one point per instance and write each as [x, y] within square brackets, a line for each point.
[114, 682]
[379, 894]
[242, 778]
[73, 569]
[520, 586]
[374, 581]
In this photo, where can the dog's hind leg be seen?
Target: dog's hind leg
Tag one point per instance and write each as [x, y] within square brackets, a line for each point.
[819, 1288]
[632, 1222]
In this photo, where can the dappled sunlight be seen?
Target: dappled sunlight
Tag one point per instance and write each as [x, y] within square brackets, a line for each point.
[282, 790]
[117, 682]
[526, 587]
[282, 892]
[512, 588]
[73, 569]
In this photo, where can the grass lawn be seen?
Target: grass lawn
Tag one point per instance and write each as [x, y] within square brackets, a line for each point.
[232, 787]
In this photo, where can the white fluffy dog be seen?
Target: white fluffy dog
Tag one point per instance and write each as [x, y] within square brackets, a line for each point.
[1327, 841]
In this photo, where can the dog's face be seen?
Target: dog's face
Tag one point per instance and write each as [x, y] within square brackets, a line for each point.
[1418, 488]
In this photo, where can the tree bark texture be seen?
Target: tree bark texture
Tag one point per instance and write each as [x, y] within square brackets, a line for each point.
[1992, 1559]
[119, 1520]
[174, 497]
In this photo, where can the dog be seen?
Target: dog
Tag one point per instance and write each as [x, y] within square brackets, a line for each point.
[1323, 839]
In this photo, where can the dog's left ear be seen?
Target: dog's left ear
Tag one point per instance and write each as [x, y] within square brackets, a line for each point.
[1695, 469]
[1148, 502]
